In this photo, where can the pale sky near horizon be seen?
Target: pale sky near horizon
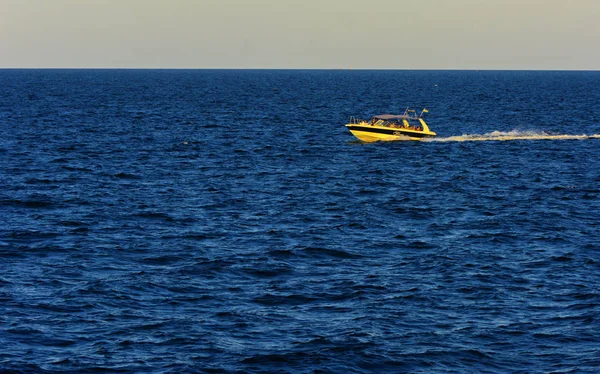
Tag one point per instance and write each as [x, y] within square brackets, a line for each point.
[338, 34]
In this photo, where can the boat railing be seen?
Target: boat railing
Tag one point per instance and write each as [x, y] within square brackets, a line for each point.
[392, 124]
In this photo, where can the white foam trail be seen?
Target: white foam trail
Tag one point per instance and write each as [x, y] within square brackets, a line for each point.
[511, 135]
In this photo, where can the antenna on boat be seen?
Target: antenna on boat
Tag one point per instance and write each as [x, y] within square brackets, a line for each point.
[423, 111]
[406, 111]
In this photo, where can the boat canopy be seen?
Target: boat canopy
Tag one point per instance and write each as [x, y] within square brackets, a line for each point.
[393, 116]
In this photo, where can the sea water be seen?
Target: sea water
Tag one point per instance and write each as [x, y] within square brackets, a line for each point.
[227, 221]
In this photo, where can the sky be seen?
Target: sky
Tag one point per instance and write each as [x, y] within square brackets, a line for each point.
[301, 34]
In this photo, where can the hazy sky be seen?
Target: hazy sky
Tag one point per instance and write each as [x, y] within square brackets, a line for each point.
[395, 34]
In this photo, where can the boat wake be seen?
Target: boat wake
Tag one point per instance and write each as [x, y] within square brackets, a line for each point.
[511, 135]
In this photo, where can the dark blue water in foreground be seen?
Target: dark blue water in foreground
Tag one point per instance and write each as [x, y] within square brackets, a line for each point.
[226, 221]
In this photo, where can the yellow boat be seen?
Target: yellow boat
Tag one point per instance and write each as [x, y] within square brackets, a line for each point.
[386, 127]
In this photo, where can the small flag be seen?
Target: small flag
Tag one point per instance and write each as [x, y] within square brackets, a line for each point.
[425, 111]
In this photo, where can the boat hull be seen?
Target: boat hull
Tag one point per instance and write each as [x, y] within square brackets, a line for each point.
[368, 133]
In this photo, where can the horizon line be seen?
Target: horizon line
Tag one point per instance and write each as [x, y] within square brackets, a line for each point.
[293, 68]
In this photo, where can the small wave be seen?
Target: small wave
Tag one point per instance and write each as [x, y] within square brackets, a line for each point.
[34, 204]
[277, 358]
[328, 252]
[127, 176]
[24, 331]
[281, 253]
[512, 135]
[269, 271]
[154, 215]
[161, 260]
[293, 299]
[192, 236]
[72, 223]
[32, 234]
[421, 245]
[80, 230]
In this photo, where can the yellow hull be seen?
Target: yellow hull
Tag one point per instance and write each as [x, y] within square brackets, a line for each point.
[368, 133]
[369, 137]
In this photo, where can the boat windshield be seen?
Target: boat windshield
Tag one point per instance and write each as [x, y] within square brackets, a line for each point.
[393, 121]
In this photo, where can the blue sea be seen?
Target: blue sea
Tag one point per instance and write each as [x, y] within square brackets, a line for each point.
[225, 221]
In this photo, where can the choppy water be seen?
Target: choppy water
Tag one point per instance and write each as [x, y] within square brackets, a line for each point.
[226, 221]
